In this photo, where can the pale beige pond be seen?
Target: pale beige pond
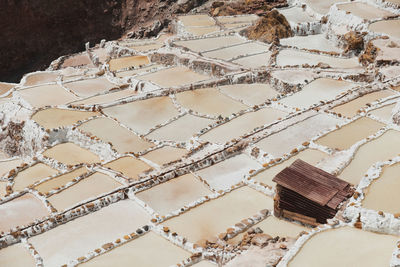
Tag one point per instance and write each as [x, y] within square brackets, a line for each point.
[60, 180]
[384, 113]
[21, 211]
[237, 50]
[69, 153]
[44, 95]
[311, 42]
[41, 77]
[121, 138]
[322, 89]
[78, 60]
[90, 87]
[199, 31]
[383, 193]
[197, 20]
[146, 47]
[3, 191]
[364, 10]
[389, 27]
[209, 101]
[16, 256]
[216, 216]
[255, 61]
[322, 7]
[150, 250]
[237, 19]
[251, 94]
[180, 130]
[296, 134]
[381, 149]
[71, 240]
[54, 117]
[88, 188]
[143, 115]
[350, 108]
[101, 54]
[296, 15]
[134, 72]
[5, 87]
[127, 62]
[207, 44]
[204, 263]
[228, 172]
[290, 57]
[311, 156]
[31, 175]
[351, 133]
[242, 124]
[165, 155]
[128, 166]
[8, 165]
[175, 76]
[174, 194]
[346, 247]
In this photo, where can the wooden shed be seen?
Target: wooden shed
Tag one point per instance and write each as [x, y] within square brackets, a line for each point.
[308, 194]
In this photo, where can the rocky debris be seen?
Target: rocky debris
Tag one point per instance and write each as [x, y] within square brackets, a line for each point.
[261, 240]
[11, 138]
[354, 42]
[369, 55]
[228, 8]
[270, 28]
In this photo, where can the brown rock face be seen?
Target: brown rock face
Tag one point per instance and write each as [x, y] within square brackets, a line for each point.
[229, 8]
[369, 55]
[354, 42]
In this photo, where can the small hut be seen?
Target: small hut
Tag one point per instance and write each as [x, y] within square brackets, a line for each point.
[308, 194]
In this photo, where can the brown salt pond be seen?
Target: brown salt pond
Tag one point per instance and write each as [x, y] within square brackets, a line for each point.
[61, 180]
[17, 256]
[88, 188]
[364, 10]
[322, 7]
[311, 156]
[321, 89]
[165, 155]
[381, 149]
[106, 98]
[41, 77]
[206, 44]
[127, 62]
[121, 138]
[237, 50]
[21, 211]
[209, 101]
[8, 165]
[78, 60]
[197, 20]
[175, 76]
[174, 194]
[311, 42]
[150, 250]
[5, 87]
[389, 27]
[350, 108]
[188, 125]
[31, 175]
[383, 113]
[346, 247]
[90, 87]
[143, 115]
[54, 117]
[251, 94]
[383, 193]
[296, 15]
[128, 166]
[242, 124]
[71, 154]
[44, 95]
[351, 133]
[228, 172]
[74, 239]
[255, 61]
[216, 216]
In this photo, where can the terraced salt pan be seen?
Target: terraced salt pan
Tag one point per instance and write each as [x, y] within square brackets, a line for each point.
[204, 264]
[174, 194]
[321, 89]
[384, 113]
[90, 87]
[121, 138]
[5, 87]
[175, 76]
[296, 15]
[8, 165]
[129, 73]
[206, 44]
[101, 54]
[71, 154]
[209, 101]
[143, 115]
[165, 155]
[232, 52]
[289, 57]
[78, 60]
[54, 117]
[311, 42]
[40, 77]
[214, 217]
[21, 211]
[199, 31]
[3, 191]
[381, 149]
[88, 188]
[364, 10]
[127, 62]
[106, 98]
[74, 239]
[197, 20]
[389, 27]
[31, 175]
[346, 247]
[141, 252]
[296, 134]
[255, 61]
[351, 133]
[242, 124]
[16, 256]
[44, 95]
[237, 19]
[322, 7]
[311, 156]
[350, 108]
[180, 130]
[229, 172]
[251, 94]
[237, 26]
[147, 47]
[128, 166]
